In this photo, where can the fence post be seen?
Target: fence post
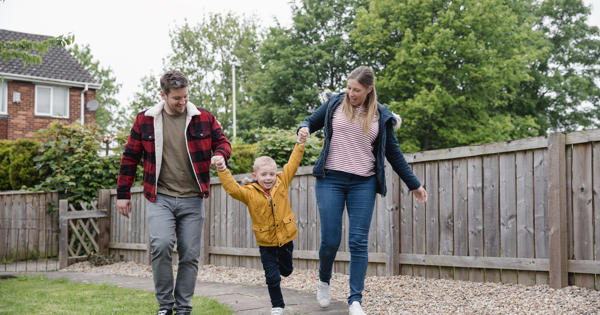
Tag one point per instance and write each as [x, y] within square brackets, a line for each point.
[104, 223]
[557, 210]
[63, 239]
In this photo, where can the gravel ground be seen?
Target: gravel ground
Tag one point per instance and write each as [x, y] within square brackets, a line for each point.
[405, 294]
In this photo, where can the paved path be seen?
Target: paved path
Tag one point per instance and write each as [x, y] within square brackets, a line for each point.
[244, 299]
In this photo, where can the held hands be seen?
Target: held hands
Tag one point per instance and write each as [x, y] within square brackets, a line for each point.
[303, 135]
[420, 194]
[124, 207]
[218, 162]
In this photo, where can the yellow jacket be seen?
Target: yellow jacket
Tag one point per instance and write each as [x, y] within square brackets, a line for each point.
[272, 217]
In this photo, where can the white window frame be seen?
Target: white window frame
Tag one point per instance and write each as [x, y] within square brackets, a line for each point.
[3, 97]
[51, 101]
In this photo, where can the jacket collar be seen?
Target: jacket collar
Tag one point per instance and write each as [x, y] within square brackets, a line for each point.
[155, 110]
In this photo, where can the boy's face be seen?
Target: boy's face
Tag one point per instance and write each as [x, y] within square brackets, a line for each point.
[266, 175]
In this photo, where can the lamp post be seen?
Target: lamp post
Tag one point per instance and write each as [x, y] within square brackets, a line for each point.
[233, 87]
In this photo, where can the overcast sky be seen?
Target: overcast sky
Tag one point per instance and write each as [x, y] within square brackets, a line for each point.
[132, 36]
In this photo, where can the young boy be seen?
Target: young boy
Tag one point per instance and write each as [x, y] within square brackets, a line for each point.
[272, 217]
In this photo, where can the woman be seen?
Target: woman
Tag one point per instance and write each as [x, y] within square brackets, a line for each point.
[359, 133]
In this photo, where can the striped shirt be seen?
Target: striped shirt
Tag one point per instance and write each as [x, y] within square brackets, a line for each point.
[351, 151]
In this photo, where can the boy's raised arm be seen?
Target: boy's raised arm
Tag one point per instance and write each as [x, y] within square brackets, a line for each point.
[290, 168]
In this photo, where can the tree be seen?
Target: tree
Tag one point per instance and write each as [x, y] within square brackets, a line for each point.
[565, 92]
[31, 52]
[144, 99]
[107, 116]
[451, 69]
[207, 52]
[300, 62]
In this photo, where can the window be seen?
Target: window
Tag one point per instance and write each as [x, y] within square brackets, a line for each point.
[3, 97]
[52, 101]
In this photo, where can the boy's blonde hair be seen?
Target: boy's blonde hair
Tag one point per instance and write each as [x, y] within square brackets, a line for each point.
[263, 161]
[258, 163]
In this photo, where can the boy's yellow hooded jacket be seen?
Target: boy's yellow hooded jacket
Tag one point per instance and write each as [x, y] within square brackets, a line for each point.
[272, 217]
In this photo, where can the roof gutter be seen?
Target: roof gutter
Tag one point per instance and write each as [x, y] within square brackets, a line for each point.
[42, 80]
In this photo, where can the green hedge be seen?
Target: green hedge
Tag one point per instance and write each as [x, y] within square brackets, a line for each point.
[17, 168]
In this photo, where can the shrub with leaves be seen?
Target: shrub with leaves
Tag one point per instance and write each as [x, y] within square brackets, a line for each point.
[242, 158]
[17, 170]
[279, 144]
[72, 164]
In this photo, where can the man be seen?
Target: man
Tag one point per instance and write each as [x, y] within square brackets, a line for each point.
[176, 139]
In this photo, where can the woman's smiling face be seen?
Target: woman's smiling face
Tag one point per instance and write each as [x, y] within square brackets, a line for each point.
[357, 93]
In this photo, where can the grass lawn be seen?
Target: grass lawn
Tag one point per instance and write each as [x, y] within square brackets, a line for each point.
[40, 295]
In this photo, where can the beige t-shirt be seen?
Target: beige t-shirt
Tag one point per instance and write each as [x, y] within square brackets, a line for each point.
[176, 176]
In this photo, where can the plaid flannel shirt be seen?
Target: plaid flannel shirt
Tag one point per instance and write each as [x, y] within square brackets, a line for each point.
[204, 136]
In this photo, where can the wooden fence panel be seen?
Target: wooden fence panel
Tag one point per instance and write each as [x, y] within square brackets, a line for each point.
[525, 226]
[508, 213]
[475, 214]
[491, 212]
[540, 184]
[446, 215]
[583, 246]
[596, 200]
[28, 232]
[432, 229]
[406, 227]
[419, 224]
[461, 232]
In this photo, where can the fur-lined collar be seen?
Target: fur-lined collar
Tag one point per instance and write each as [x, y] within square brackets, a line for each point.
[192, 110]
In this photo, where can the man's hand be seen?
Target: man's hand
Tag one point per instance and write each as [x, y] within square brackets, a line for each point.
[420, 194]
[303, 135]
[218, 162]
[124, 207]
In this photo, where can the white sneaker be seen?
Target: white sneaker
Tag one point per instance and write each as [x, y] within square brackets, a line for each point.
[356, 309]
[323, 294]
[277, 311]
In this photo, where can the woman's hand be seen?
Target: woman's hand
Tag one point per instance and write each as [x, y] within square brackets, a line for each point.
[420, 194]
[302, 135]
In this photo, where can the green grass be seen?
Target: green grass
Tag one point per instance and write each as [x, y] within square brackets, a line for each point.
[40, 295]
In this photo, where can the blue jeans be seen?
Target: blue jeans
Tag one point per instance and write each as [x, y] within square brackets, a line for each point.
[170, 219]
[277, 262]
[357, 193]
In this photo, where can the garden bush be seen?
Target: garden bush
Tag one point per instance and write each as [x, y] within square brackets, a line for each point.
[72, 164]
[17, 169]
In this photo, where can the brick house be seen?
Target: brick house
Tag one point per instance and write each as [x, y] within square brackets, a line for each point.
[33, 96]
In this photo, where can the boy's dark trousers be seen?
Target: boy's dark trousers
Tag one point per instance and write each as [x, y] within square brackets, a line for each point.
[277, 262]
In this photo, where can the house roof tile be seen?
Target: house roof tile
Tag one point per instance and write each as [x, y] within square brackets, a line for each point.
[57, 62]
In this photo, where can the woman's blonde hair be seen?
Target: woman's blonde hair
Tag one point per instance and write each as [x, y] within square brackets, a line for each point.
[365, 76]
[258, 163]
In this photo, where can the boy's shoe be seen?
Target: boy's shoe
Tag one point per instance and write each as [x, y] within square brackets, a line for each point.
[323, 294]
[277, 311]
[356, 309]
[165, 312]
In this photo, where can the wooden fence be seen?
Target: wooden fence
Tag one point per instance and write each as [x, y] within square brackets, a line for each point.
[523, 211]
[28, 232]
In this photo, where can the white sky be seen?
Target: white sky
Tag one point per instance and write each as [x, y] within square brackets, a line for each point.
[132, 36]
[129, 36]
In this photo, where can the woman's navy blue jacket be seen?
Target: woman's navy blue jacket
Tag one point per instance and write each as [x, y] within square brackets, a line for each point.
[386, 144]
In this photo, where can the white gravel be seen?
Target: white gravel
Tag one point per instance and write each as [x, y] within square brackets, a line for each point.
[405, 294]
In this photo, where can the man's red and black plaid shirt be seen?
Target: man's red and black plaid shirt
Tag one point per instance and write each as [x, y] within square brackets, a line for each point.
[204, 138]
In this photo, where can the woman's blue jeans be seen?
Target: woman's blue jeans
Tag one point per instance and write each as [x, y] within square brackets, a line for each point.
[357, 193]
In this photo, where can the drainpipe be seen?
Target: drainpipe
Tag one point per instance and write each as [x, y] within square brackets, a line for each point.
[83, 104]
